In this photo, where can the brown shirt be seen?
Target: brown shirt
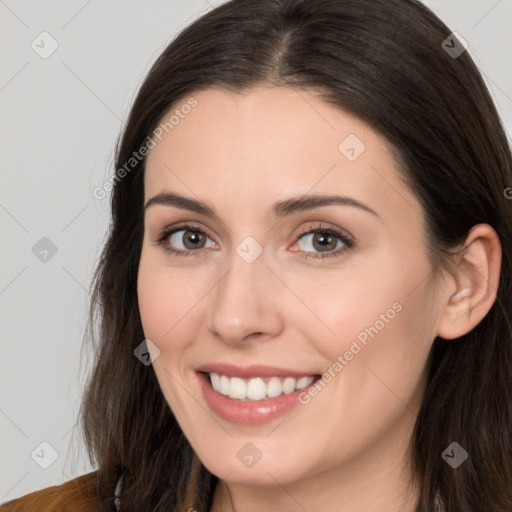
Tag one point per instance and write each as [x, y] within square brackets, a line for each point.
[76, 495]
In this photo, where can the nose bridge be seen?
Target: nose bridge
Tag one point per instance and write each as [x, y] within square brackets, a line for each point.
[243, 302]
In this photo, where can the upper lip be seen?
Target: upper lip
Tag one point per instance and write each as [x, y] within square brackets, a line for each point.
[257, 370]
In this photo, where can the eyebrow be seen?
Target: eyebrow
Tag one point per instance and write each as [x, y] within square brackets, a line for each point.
[281, 209]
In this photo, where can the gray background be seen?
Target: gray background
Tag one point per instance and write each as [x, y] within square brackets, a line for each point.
[60, 119]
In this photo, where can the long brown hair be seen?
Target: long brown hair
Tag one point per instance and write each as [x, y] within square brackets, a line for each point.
[385, 62]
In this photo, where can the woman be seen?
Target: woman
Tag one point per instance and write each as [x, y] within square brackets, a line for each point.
[311, 245]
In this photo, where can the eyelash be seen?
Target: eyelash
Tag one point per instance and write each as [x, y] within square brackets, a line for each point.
[347, 241]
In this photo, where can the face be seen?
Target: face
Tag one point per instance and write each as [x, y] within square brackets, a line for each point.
[292, 335]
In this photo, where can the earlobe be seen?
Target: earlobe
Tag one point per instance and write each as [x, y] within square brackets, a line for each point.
[476, 283]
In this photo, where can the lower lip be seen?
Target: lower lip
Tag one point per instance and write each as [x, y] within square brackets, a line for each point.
[248, 413]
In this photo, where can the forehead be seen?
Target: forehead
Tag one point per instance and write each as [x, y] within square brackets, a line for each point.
[253, 148]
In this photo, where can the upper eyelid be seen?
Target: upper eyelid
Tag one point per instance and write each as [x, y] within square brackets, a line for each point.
[171, 229]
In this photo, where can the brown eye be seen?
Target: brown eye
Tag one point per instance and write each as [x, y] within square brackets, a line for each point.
[183, 241]
[325, 242]
[191, 239]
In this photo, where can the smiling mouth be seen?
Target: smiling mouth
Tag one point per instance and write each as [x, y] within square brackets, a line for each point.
[257, 389]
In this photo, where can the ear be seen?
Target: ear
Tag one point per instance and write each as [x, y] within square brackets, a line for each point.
[475, 283]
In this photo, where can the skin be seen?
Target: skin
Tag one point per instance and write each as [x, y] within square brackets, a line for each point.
[241, 153]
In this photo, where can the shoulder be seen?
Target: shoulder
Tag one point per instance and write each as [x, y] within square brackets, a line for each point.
[77, 495]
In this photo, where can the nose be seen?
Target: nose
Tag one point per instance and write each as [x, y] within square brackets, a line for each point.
[245, 303]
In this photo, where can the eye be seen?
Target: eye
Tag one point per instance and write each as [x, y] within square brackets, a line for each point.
[190, 240]
[325, 240]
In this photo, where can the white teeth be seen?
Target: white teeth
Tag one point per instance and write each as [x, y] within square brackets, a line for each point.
[304, 382]
[289, 385]
[256, 388]
[237, 388]
[274, 387]
[224, 385]
[215, 380]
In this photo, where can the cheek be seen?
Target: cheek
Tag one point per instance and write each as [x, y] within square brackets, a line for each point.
[167, 314]
[359, 303]
[167, 300]
[378, 294]
[381, 328]
[156, 311]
